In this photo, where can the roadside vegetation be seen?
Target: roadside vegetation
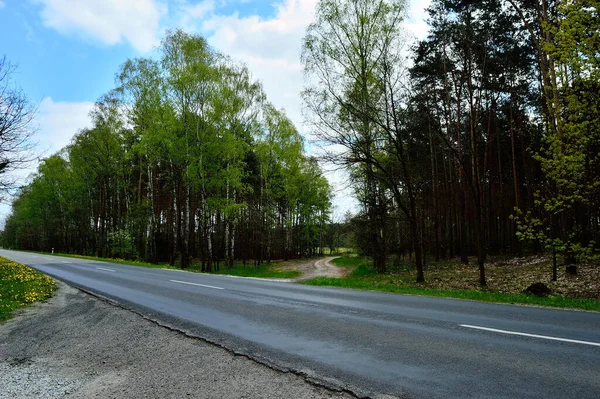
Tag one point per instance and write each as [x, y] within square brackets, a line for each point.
[185, 159]
[21, 286]
[508, 278]
[483, 144]
[263, 270]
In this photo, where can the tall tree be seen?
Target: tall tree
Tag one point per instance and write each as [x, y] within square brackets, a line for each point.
[185, 161]
[354, 66]
[568, 45]
[16, 127]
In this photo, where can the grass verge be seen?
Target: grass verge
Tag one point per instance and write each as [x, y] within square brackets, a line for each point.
[21, 286]
[262, 271]
[401, 280]
[111, 260]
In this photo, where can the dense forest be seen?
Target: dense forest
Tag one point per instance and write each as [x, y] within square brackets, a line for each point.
[484, 140]
[481, 139]
[185, 160]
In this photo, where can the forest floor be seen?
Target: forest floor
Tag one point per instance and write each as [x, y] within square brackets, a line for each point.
[507, 280]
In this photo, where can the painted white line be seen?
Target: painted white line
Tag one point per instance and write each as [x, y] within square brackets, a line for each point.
[199, 285]
[275, 280]
[108, 270]
[64, 261]
[574, 341]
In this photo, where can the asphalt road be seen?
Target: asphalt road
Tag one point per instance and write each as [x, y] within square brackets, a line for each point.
[370, 343]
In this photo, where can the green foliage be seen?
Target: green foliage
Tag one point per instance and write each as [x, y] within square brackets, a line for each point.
[185, 159]
[121, 245]
[569, 156]
[351, 261]
[355, 101]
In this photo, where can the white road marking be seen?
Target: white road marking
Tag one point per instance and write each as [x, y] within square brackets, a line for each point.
[275, 280]
[64, 261]
[574, 341]
[199, 285]
[108, 270]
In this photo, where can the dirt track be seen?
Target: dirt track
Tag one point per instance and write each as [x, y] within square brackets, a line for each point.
[317, 268]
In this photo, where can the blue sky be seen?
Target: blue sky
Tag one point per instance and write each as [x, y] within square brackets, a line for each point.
[68, 51]
[71, 63]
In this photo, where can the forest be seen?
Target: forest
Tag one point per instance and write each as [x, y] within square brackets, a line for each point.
[481, 139]
[185, 160]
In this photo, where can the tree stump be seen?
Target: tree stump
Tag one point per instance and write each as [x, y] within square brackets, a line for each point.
[538, 289]
[571, 270]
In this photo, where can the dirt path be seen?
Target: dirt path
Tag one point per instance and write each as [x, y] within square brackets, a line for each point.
[317, 268]
[77, 346]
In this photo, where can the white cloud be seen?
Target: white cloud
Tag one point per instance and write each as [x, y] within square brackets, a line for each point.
[416, 18]
[269, 46]
[190, 13]
[59, 121]
[108, 21]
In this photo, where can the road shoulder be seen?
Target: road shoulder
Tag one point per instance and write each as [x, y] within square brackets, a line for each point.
[79, 346]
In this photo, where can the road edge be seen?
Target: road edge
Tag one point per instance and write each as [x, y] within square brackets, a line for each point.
[329, 384]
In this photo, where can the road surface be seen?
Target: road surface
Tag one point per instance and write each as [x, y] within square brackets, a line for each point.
[372, 344]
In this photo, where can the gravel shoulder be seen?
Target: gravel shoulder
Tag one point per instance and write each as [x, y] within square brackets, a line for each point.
[78, 346]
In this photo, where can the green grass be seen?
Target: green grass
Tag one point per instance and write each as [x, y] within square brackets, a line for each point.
[114, 260]
[21, 286]
[364, 277]
[262, 271]
[338, 251]
[351, 261]
[553, 301]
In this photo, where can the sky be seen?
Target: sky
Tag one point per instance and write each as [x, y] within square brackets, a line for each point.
[68, 51]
